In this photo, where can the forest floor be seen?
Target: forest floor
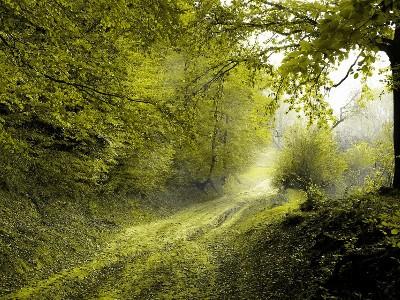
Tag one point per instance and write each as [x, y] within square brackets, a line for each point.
[177, 257]
[252, 243]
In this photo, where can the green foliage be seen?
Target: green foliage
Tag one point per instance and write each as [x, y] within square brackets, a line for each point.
[314, 255]
[390, 226]
[94, 99]
[310, 159]
[67, 114]
[316, 198]
[314, 38]
[141, 174]
[370, 165]
[229, 126]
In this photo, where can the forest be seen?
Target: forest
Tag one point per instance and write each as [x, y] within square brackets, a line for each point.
[208, 149]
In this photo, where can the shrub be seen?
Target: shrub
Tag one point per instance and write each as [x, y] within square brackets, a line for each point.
[371, 164]
[310, 157]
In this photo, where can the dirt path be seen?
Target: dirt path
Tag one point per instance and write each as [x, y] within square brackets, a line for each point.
[173, 258]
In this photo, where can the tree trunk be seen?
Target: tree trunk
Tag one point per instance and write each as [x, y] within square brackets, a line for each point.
[214, 146]
[394, 56]
[226, 151]
[396, 134]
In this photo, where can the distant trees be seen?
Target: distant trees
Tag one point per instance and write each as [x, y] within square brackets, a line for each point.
[370, 162]
[230, 125]
[364, 121]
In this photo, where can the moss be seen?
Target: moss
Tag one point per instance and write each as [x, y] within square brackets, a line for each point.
[232, 247]
[171, 257]
[38, 242]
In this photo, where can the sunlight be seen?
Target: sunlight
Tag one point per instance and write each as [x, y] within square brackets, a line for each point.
[340, 96]
[185, 150]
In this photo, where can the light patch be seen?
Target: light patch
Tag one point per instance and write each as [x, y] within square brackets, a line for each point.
[339, 96]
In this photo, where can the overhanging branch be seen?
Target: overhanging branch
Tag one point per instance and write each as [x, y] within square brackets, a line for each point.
[348, 71]
[295, 13]
[86, 87]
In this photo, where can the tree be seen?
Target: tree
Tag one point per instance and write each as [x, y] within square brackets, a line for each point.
[71, 105]
[111, 96]
[229, 126]
[315, 37]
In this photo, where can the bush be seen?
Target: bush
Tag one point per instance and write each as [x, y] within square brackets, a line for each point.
[310, 157]
[371, 164]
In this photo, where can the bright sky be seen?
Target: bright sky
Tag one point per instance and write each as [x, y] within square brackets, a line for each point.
[340, 95]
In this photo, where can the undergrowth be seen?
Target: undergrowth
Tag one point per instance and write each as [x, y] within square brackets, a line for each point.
[40, 239]
[341, 250]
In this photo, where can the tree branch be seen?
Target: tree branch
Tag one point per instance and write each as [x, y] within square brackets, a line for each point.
[86, 87]
[295, 13]
[79, 86]
[219, 75]
[348, 72]
[343, 117]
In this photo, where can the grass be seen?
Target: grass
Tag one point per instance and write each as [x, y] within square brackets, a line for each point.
[175, 257]
[37, 242]
[252, 244]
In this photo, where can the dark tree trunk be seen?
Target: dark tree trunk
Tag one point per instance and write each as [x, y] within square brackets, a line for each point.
[394, 55]
[396, 134]
[226, 151]
[214, 146]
